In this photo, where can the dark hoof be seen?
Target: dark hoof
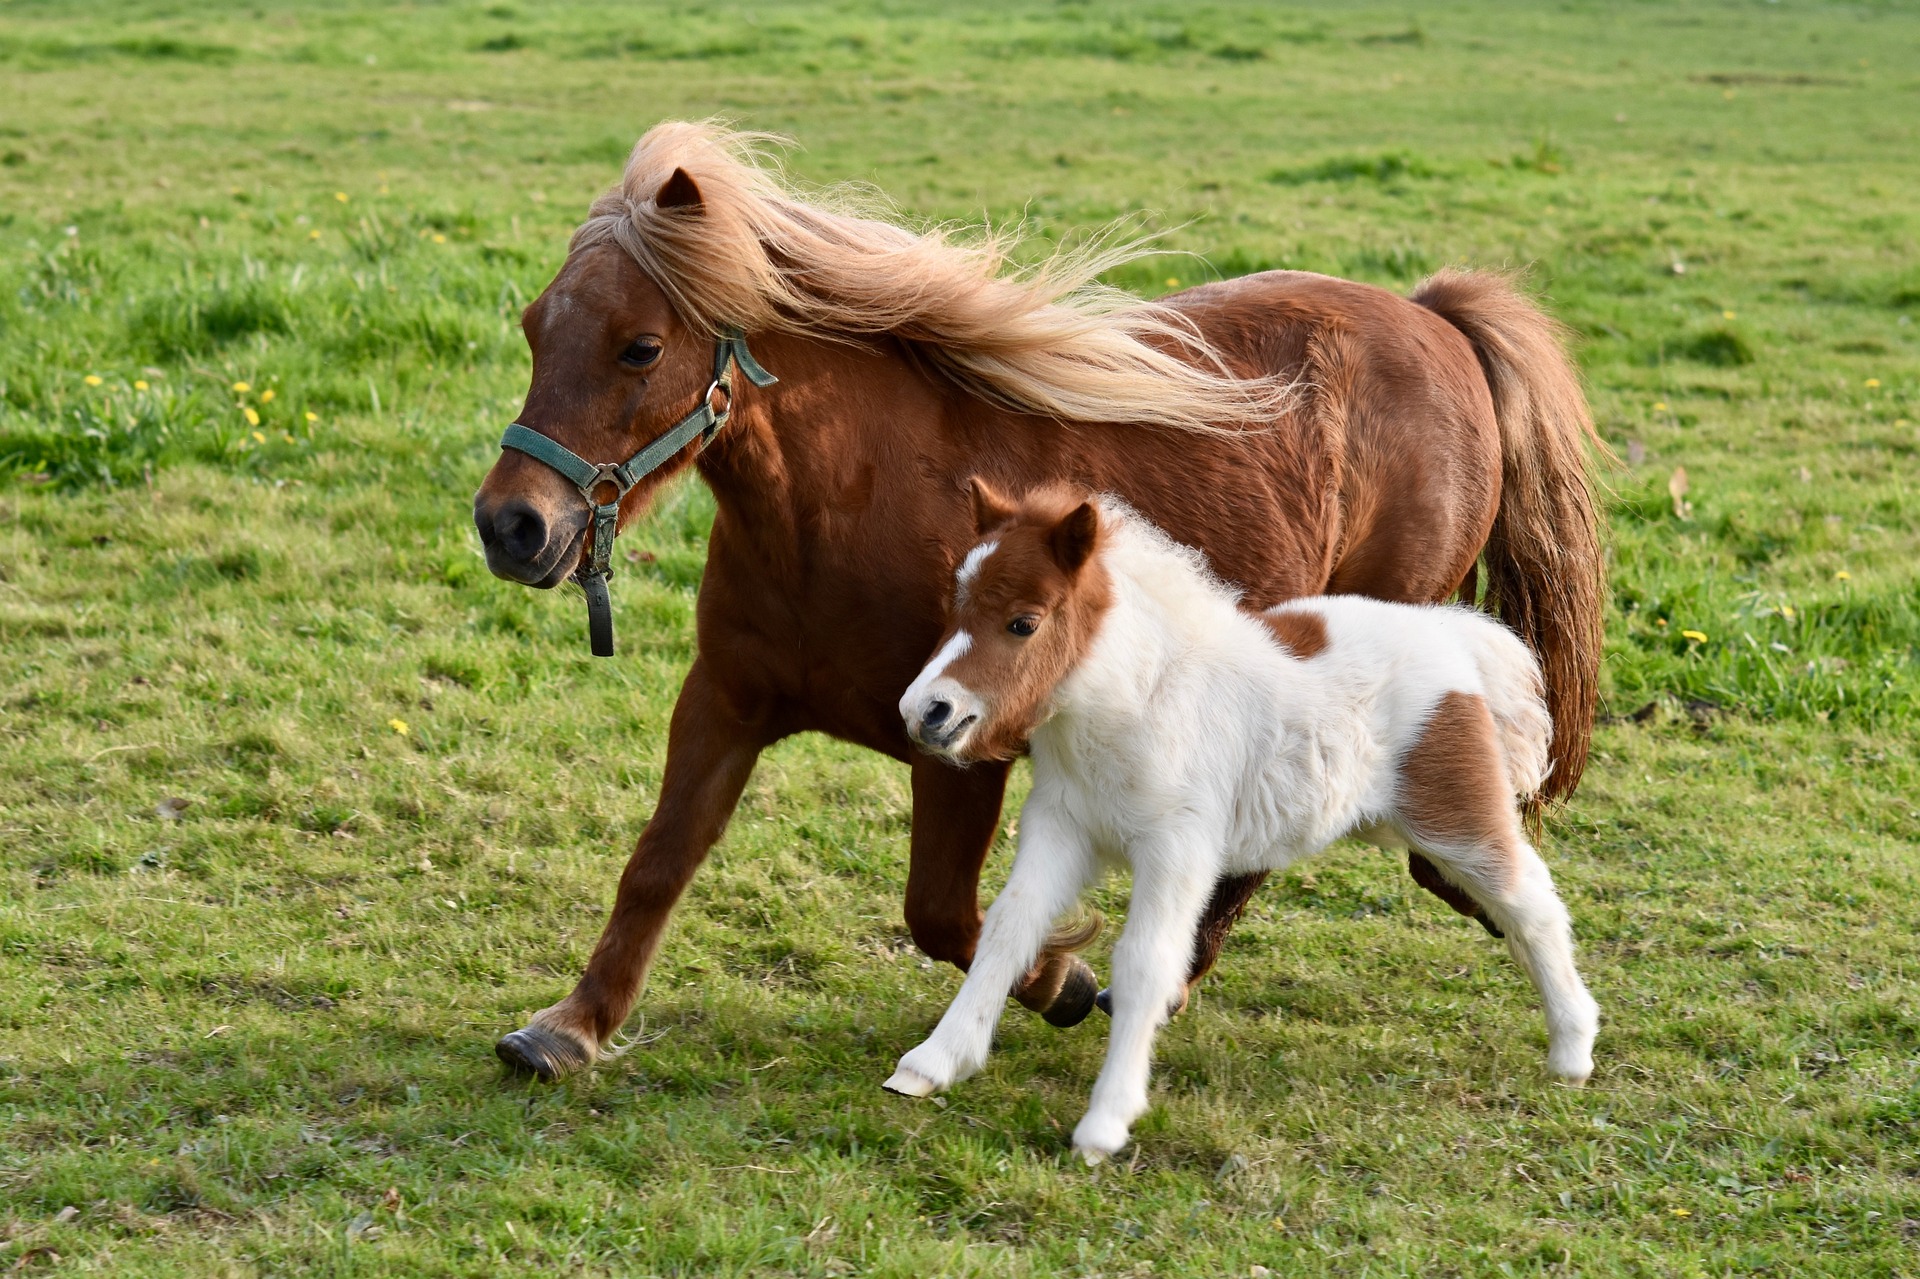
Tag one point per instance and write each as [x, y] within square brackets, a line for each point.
[1078, 993]
[541, 1053]
[1490, 926]
[1104, 1001]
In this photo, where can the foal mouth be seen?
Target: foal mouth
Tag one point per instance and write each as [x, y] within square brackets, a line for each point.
[948, 737]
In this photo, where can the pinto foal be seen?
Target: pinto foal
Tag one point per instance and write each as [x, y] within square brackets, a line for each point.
[1175, 732]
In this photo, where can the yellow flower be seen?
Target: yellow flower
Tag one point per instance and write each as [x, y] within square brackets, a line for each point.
[266, 396]
[288, 437]
[1873, 382]
[140, 384]
[1698, 637]
[1660, 621]
[1726, 315]
[313, 235]
[1659, 406]
[340, 196]
[438, 238]
[259, 438]
[1843, 576]
[1173, 282]
[92, 379]
[398, 725]
[253, 419]
[1679, 1212]
[312, 417]
[243, 387]
[1786, 611]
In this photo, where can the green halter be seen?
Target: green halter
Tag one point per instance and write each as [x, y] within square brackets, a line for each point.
[729, 349]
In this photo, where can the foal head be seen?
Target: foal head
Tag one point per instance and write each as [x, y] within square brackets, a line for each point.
[1027, 600]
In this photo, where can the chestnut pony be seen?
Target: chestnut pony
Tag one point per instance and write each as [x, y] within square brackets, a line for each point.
[1309, 435]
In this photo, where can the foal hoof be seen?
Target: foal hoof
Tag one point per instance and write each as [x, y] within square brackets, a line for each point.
[1104, 1001]
[541, 1053]
[1078, 995]
[907, 1083]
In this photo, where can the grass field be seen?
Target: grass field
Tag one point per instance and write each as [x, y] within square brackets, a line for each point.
[301, 808]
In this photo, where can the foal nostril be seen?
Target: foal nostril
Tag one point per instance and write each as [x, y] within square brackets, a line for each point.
[937, 714]
[520, 531]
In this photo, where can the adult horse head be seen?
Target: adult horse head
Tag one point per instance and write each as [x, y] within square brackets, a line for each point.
[1397, 443]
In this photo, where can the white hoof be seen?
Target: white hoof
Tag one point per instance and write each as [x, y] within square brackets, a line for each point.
[910, 1084]
[1095, 1139]
[1572, 1073]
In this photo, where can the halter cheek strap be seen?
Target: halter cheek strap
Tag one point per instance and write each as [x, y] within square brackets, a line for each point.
[729, 349]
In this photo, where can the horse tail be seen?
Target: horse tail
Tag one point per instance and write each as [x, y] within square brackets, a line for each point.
[1545, 569]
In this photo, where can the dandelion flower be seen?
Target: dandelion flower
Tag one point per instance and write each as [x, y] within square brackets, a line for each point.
[266, 396]
[312, 417]
[259, 438]
[398, 725]
[340, 196]
[1786, 611]
[243, 387]
[92, 379]
[1659, 621]
[1843, 576]
[313, 235]
[1726, 315]
[1680, 1212]
[438, 238]
[1873, 383]
[140, 384]
[1659, 406]
[253, 418]
[1173, 282]
[1698, 637]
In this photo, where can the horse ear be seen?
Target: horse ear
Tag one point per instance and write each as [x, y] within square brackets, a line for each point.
[680, 192]
[1073, 538]
[990, 510]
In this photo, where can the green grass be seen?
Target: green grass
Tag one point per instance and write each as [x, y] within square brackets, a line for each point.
[252, 1035]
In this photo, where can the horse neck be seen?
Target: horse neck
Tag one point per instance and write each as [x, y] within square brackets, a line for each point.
[792, 447]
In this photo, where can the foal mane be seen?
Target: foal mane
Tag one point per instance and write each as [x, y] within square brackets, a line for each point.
[1047, 339]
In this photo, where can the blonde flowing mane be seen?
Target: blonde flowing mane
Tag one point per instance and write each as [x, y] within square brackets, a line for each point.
[1047, 339]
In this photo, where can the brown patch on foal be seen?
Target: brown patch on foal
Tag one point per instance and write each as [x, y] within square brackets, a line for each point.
[1300, 632]
[1454, 793]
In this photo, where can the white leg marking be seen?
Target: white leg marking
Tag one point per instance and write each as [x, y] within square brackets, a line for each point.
[1054, 863]
[1170, 890]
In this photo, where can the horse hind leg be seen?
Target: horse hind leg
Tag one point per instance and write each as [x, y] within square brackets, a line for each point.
[1456, 808]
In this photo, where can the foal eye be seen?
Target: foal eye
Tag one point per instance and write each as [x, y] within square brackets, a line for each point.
[1023, 625]
[642, 352]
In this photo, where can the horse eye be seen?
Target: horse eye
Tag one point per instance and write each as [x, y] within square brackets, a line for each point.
[642, 352]
[1024, 625]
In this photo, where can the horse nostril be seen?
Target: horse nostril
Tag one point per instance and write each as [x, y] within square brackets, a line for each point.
[520, 530]
[937, 714]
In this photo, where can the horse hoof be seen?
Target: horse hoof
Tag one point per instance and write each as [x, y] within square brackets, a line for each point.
[909, 1084]
[541, 1053]
[1078, 994]
[1104, 1001]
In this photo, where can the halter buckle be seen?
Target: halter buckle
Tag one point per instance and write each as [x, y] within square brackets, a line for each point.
[605, 473]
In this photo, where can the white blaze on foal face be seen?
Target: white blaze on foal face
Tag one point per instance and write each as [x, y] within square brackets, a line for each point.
[1026, 601]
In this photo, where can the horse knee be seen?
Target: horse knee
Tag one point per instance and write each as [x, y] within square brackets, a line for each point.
[944, 936]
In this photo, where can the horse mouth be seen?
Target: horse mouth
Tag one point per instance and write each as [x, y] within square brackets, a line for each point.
[949, 739]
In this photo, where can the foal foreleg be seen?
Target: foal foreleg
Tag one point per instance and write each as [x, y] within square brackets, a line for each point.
[1054, 863]
[1170, 893]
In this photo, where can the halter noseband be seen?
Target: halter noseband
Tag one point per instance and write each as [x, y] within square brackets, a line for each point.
[729, 349]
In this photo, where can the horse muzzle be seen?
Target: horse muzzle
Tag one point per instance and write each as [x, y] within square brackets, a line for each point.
[525, 544]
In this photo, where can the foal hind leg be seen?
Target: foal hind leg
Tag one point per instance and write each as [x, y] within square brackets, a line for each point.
[1455, 805]
[1521, 899]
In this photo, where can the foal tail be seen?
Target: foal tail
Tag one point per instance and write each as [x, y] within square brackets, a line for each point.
[1545, 569]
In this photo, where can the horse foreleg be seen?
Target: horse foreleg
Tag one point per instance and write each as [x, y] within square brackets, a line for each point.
[710, 754]
[955, 814]
[1224, 908]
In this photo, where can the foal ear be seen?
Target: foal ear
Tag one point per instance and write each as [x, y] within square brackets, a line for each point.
[990, 510]
[1073, 538]
[680, 192]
